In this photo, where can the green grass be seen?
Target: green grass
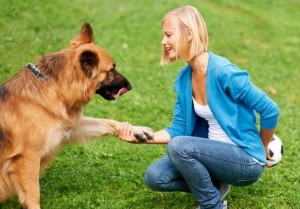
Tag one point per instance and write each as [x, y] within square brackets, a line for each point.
[260, 36]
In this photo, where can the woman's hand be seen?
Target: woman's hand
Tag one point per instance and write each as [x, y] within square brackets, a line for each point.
[142, 134]
[266, 137]
[134, 134]
[269, 158]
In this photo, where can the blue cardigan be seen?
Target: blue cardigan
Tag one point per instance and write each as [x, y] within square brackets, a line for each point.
[233, 100]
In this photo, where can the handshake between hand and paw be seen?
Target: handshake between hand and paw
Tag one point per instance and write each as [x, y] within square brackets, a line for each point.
[134, 134]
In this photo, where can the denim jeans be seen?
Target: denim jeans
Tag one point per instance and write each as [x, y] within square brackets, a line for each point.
[197, 165]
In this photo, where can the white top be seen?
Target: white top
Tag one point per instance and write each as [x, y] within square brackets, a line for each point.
[215, 131]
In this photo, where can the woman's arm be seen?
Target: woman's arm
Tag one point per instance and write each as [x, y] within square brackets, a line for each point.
[160, 137]
[125, 132]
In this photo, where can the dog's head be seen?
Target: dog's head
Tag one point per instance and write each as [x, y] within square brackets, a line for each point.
[98, 66]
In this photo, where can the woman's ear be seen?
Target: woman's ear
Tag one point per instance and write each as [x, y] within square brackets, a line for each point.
[190, 34]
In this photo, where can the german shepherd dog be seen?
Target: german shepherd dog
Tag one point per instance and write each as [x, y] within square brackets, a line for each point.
[41, 109]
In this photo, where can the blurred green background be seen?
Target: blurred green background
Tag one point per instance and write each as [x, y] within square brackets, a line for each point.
[262, 36]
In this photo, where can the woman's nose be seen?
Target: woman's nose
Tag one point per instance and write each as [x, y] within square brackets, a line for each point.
[163, 41]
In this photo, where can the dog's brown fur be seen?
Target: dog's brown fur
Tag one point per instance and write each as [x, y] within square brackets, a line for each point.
[37, 117]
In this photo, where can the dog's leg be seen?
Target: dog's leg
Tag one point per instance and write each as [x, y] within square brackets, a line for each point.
[88, 128]
[25, 176]
[94, 127]
[6, 189]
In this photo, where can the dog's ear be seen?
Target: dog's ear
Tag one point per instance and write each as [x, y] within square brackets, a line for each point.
[89, 61]
[85, 35]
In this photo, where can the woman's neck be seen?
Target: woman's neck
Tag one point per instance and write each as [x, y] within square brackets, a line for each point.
[199, 63]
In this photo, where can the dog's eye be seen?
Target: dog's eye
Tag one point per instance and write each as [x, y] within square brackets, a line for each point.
[112, 70]
[111, 73]
[113, 67]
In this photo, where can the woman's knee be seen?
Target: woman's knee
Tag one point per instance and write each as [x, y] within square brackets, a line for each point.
[176, 146]
[161, 174]
[152, 178]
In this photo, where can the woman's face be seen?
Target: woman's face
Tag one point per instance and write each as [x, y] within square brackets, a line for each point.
[169, 39]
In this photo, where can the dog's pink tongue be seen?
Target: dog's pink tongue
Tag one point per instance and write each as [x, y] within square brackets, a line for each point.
[120, 93]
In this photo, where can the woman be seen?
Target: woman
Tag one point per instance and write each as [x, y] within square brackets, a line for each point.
[213, 141]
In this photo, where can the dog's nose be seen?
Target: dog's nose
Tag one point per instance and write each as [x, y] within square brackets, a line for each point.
[129, 86]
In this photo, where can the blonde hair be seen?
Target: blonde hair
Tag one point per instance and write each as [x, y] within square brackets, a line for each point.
[183, 19]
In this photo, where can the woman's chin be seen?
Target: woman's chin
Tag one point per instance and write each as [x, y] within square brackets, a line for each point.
[172, 57]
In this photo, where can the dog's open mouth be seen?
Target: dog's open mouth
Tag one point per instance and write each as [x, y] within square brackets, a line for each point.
[120, 93]
[111, 93]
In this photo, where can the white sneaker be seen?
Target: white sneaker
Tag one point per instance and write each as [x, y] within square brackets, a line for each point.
[224, 189]
[224, 204]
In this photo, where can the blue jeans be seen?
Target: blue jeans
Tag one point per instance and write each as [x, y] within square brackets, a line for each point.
[198, 165]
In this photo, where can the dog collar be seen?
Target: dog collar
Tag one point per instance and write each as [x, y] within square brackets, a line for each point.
[36, 71]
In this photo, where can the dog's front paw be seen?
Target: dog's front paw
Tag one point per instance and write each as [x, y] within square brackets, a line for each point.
[143, 134]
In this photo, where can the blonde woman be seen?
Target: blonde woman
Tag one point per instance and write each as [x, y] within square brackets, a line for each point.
[213, 141]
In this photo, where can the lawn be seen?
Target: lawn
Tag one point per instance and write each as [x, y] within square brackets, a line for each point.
[260, 36]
